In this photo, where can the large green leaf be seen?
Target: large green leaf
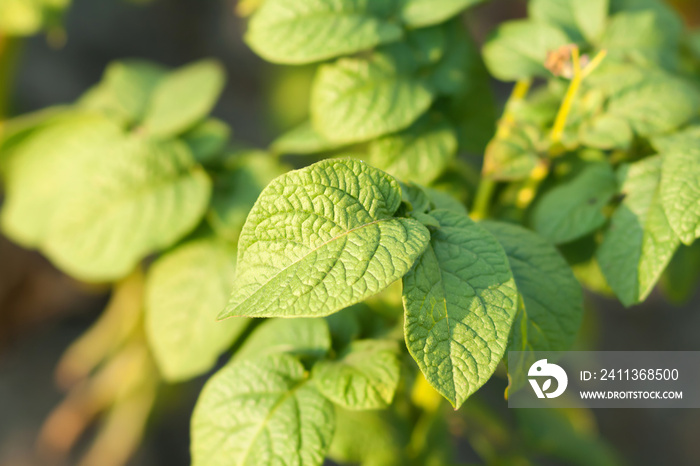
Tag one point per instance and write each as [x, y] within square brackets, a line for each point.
[320, 239]
[41, 171]
[643, 36]
[518, 49]
[552, 302]
[575, 208]
[293, 31]
[421, 13]
[640, 242]
[136, 198]
[656, 104]
[184, 98]
[460, 301]
[364, 377]
[357, 99]
[185, 290]
[301, 337]
[580, 19]
[420, 153]
[261, 412]
[680, 191]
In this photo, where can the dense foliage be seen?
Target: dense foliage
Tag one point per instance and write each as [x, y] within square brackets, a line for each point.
[385, 243]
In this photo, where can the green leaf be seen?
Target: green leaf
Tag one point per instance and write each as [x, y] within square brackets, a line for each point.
[15, 131]
[428, 44]
[566, 434]
[207, 140]
[421, 13]
[552, 300]
[460, 301]
[512, 157]
[680, 191]
[442, 200]
[640, 242]
[236, 190]
[302, 140]
[304, 338]
[132, 83]
[580, 19]
[184, 98]
[275, 417]
[518, 49]
[294, 32]
[139, 197]
[657, 104]
[368, 438]
[20, 17]
[420, 153]
[186, 288]
[42, 168]
[323, 238]
[606, 132]
[682, 274]
[357, 99]
[688, 137]
[646, 37]
[460, 65]
[364, 377]
[575, 208]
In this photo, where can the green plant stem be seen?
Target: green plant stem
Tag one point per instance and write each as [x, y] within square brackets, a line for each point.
[572, 91]
[9, 52]
[487, 186]
[532, 184]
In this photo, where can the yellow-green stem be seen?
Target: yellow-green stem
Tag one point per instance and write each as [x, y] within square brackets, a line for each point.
[482, 200]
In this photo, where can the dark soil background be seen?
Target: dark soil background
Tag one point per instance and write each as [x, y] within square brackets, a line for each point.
[42, 311]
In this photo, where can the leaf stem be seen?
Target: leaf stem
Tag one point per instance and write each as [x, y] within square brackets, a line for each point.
[574, 86]
[487, 186]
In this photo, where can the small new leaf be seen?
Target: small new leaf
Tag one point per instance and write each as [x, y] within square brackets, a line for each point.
[323, 238]
[184, 98]
[365, 377]
[304, 338]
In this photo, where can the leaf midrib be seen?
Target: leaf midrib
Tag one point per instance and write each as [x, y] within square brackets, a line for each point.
[295, 263]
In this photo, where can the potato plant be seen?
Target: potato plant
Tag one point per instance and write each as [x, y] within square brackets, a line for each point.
[392, 268]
